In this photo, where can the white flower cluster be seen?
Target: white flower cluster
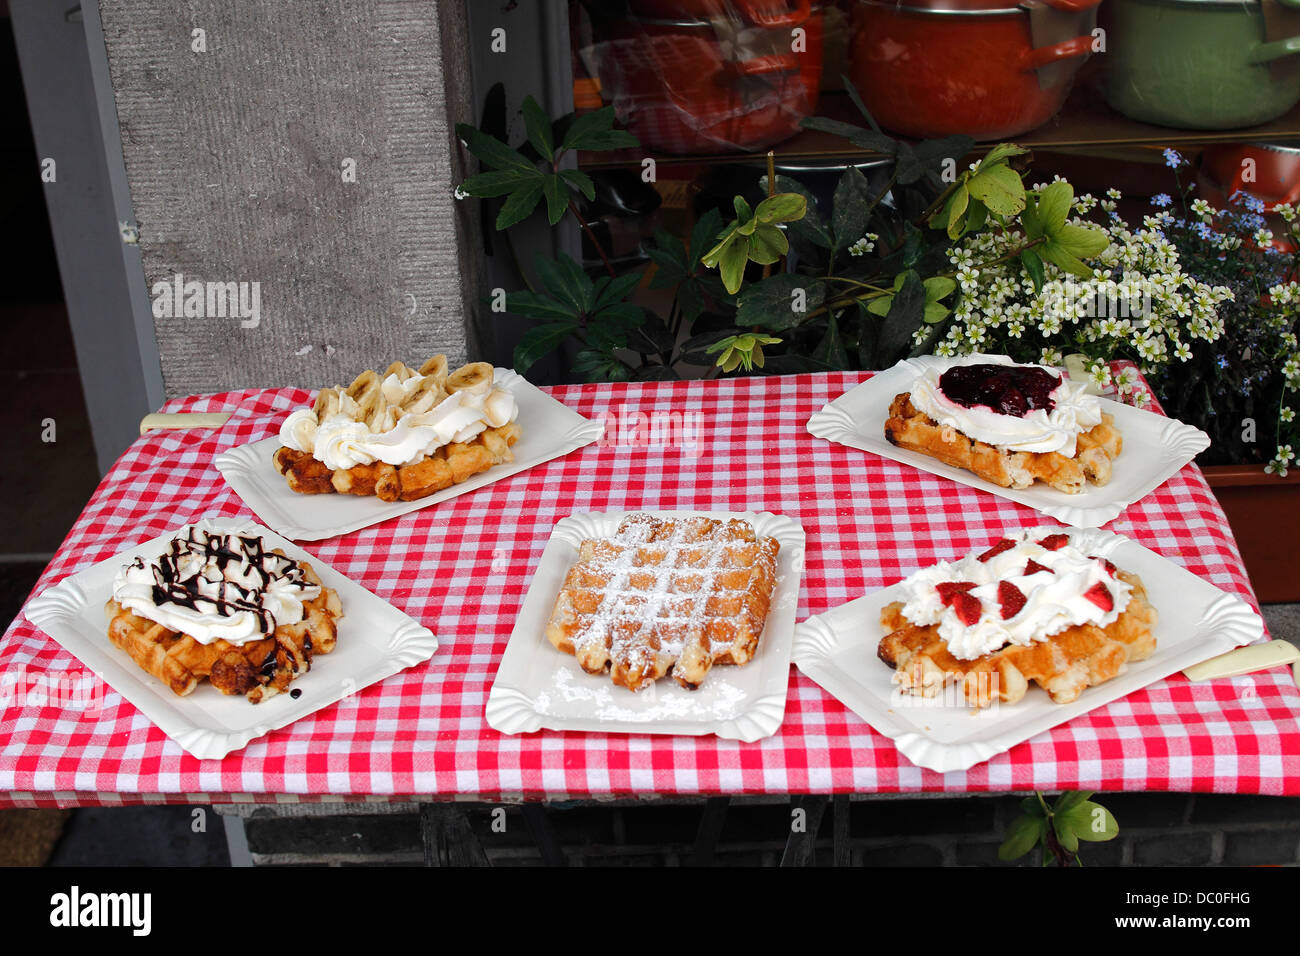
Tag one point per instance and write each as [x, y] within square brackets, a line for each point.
[1139, 303]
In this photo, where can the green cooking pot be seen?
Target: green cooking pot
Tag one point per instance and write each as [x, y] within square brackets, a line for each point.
[1199, 64]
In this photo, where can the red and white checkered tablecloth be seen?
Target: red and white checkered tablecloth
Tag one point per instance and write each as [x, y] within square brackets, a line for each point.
[462, 568]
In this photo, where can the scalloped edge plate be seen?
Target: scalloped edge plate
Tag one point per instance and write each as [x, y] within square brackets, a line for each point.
[538, 687]
[550, 429]
[837, 649]
[375, 641]
[1155, 449]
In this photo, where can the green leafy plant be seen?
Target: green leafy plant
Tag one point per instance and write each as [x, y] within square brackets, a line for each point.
[1058, 829]
[754, 237]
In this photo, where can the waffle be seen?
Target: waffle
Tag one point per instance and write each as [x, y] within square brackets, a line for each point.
[258, 669]
[1063, 665]
[1095, 450]
[666, 597]
[364, 399]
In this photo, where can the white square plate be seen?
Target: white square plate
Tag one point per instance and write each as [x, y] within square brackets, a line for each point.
[1155, 448]
[549, 430]
[837, 649]
[538, 686]
[375, 641]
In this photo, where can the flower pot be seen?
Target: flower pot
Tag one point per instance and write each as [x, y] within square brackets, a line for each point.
[1264, 513]
[936, 69]
[698, 86]
[1198, 64]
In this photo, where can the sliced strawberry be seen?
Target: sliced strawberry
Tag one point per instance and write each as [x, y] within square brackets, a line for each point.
[1054, 542]
[1100, 595]
[1006, 544]
[968, 608]
[948, 590]
[1033, 567]
[1110, 567]
[1011, 598]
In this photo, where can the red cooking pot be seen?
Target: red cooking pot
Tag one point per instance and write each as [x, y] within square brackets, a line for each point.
[1269, 172]
[696, 86]
[965, 66]
[759, 13]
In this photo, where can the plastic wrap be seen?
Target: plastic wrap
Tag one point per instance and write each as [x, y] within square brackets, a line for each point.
[708, 76]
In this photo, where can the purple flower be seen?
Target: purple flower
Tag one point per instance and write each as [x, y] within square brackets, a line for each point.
[1173, 158]
[1161, 199]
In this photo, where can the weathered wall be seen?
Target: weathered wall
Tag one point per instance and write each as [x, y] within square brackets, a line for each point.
[235, 158]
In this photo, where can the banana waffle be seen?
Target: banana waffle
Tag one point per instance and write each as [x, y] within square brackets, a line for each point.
[380, 402]
[1064, 663]
[909, 428]
[662, 597]
[258, 669]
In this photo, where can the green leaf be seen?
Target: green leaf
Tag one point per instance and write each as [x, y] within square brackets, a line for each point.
[706, 227]
[557, 198]
[771, 303]
[731, 264]
[1052, 251]
[849, 210]
[1031, 220]
[538, 341]
[999, 188]
[1070, 799]
[976, 215]
[1000, 152]
[782, 207]
[1034, 266]
[743, 213]
[956, 211]
[935, 312]
[873, 141]
[880, 305]
[565, 279]
[938, 287]
[1065, 833]
[597, 365]
[1054, 205]
[1033, 807]
[580, 181]
[614, 290]
[1082, 241]
[498, 182]
[594, 131]
[1092, 822]
[492, 152]
[520, 204]
[767, 245]
[543, 307]
[906, 314]
[538, 125]
[831, 350]
[1022, 836]
[620, 315]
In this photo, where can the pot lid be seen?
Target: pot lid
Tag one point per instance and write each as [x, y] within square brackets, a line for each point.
[982, 6]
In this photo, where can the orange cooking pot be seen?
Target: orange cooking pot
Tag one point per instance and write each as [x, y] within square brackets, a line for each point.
[692, 86]
[759, 13]
[930, 68]
[1267, 171]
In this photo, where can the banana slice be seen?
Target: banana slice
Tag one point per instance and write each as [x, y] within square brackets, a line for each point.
[327, 403]
[475, 378]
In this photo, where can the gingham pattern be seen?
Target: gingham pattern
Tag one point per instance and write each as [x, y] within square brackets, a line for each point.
[462, 568]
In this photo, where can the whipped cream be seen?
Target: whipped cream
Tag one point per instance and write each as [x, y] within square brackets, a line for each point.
[1055, 596]
[216, 587]
[342, 441]
[1039, 430]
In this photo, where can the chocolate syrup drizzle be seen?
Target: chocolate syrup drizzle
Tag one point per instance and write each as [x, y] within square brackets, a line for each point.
[172, 587]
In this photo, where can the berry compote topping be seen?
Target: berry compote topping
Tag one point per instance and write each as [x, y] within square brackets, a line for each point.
[1014, 390]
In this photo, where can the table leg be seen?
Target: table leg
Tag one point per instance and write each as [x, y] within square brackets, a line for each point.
[800, 846]
[548, 843]
[711, 823]
[448, 837]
